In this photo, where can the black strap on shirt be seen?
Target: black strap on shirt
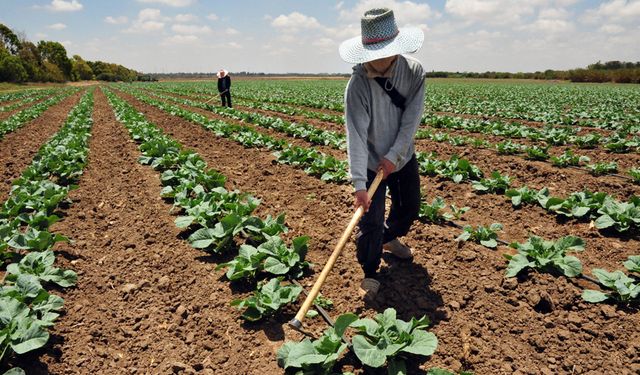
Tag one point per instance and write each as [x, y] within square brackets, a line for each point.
[396, 98]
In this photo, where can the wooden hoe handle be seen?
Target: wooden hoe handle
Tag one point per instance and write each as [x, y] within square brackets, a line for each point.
[297, 321]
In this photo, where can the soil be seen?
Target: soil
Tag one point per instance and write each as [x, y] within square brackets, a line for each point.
[147, 302]
[18, 148]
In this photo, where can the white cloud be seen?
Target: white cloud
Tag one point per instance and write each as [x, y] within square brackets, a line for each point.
[64, 6]
[611, 29]
[554, 13]
[190, 29]
[212, 17]
[182, 18]
[231, 31]
[180, 39]
[149, 20]
[116, 20]
[615, 10]
[57, 26]
[41, 36]
[234, 45]
[66, 43]
[492, 12]
[550, 26]
[150, 14]
[171, 3]
[295, 21]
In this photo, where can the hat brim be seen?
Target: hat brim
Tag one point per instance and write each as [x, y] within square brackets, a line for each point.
[408, 40]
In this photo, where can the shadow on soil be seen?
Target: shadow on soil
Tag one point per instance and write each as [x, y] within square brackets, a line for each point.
[405, 286]
[32, 362]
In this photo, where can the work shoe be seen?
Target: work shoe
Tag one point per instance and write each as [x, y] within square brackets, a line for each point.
[398, 249]
[369, 289]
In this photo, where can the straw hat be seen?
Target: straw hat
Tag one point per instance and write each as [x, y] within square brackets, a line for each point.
[380, 38]
[222, 73]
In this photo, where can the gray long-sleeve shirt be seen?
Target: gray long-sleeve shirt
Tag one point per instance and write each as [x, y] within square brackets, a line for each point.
[376, 128]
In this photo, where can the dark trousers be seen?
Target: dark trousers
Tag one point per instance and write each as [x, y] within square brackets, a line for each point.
[404, 186]
[226, 98]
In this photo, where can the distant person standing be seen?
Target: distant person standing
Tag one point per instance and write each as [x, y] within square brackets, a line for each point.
[224, 87]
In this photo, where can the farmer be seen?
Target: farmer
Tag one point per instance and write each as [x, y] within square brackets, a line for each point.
[224, 87]
[384, 101]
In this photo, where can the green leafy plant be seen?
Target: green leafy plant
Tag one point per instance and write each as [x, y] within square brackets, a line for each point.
[526, 195]
[621, 145]
[568, 158]
[509, 148]
[386, 339]
[590, 140]
[622, 288]
[537, 153]
[267, 299]
[318, 356]
[622, 216]
[40, 264]
[599, 169]
[546, 256]
[496, 184]
[635, 175]
[487, 237]
[633, 263]
[272, 256]
[432, 213]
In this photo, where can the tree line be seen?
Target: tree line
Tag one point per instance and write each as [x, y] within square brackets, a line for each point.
[47, 61]
[610, 71]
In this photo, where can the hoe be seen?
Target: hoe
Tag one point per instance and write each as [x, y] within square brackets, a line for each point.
[207, 102]
[296, 322]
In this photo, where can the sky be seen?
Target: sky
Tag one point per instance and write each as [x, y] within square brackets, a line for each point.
[280, 36]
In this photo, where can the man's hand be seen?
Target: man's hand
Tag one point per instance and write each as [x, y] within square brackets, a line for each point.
[387, 168]
[361, 198]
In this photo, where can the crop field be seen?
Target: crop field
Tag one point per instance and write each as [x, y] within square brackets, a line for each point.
[145, 229]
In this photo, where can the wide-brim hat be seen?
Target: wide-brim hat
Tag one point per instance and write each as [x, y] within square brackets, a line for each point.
[221, 73]
[380, 38]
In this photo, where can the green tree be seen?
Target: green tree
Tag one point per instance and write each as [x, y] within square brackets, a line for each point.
[52, 72]
[31, 61]
[11, 70]
[56, 54]
[9, 39]
[80, 70]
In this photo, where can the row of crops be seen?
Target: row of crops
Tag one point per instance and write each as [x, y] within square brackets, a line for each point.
[604, 106]
[28, 307]
[541, 139]
[605, 210]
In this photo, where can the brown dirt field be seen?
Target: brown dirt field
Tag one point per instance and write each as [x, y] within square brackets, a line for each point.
[462, 288]
[18, 148]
